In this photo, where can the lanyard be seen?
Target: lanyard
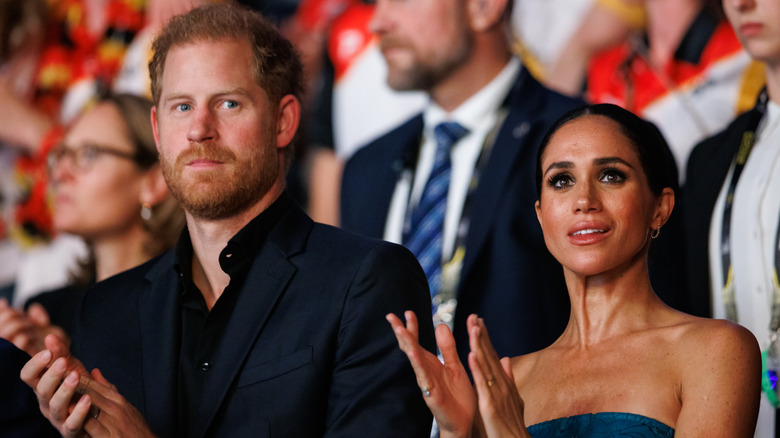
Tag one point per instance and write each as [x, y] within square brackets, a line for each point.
[745, 147]
[445, 301]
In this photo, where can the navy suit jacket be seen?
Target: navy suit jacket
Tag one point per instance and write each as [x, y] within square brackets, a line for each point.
[20, 416]
[508, 276]
[307, 351]
[708, 168]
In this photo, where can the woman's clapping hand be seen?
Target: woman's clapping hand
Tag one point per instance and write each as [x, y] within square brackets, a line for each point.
[500, 406]
[446, 386]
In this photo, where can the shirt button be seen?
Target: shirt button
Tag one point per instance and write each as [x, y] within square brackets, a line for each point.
[205, 366]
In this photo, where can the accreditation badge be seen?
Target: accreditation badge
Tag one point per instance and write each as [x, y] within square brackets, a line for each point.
[770, 367]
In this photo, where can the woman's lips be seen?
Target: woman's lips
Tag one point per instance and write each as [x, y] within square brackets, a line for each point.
[588, 233]
[751, 29]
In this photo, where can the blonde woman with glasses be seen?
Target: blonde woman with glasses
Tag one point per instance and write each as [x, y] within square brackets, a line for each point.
[107, 188]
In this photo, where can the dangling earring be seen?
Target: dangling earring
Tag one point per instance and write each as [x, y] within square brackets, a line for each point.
[654, 234]
[146, 211]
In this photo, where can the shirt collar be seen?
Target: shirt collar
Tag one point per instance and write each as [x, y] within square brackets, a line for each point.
[480, 107]
[241, 248]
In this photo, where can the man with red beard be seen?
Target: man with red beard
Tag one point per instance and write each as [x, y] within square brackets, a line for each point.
[260, 322]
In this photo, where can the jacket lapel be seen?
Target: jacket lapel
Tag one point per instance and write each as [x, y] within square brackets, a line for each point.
[266, 282]
[404, 149]
[159, 318]
[509, 144]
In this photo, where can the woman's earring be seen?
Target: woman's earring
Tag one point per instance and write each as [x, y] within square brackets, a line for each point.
[146, 211]
[654, 234]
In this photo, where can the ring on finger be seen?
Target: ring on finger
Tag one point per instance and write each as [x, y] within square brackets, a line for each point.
[491, 381]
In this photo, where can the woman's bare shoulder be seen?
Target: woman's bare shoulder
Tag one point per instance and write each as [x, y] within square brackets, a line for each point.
[526, 366]
[704, 333]
[703, 343]
[719, 364]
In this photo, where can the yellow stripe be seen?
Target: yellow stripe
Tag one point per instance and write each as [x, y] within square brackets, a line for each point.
[530, 61]
[753, 80]
[631, 12]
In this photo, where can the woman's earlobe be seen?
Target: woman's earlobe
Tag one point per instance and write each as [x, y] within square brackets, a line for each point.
[154, 189]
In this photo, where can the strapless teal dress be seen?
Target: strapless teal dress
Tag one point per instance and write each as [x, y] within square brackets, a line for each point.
[602, 424]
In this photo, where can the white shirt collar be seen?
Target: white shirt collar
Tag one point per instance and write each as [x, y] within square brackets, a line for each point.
[479, 108]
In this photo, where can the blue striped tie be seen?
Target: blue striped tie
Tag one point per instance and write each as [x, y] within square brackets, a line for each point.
[426, 226]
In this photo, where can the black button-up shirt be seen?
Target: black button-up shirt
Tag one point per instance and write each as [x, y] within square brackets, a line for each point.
[201, 329]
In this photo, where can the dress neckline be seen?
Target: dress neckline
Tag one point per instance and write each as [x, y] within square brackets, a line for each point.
[620, 416]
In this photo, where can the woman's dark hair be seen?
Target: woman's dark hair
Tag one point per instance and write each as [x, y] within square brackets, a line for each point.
[657, 161]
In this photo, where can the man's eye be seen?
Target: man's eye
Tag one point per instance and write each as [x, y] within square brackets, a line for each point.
[183, 107]
[230, 104]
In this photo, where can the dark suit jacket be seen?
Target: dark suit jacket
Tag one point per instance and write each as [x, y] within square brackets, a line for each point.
[708, 167]
[307, 351]
[20, 416]
[60, 304]
[508, 276]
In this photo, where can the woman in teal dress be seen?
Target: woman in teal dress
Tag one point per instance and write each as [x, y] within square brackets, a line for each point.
[627, 364]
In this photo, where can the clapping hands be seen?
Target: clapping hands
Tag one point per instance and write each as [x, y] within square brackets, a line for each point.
[27, 330]
[76, 402]
[450, 395]
[448, 392]
[500, 406]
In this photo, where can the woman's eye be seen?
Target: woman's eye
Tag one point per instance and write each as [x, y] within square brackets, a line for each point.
[613, 176]
[559, 182]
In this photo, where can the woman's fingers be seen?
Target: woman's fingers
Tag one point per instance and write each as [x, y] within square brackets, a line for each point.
[506, 364]
[405, 339]
[411, 324]
[485, 359]
[446, 343]
[409, 344]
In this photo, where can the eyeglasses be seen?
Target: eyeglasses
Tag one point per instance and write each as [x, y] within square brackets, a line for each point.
[84, 157]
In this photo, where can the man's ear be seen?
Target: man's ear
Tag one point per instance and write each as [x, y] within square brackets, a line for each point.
[287, 122]
[485, 14]
[154, 189]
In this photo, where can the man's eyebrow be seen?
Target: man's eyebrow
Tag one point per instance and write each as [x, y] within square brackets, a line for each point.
[175, 96]
[236, 90]
[226, 92]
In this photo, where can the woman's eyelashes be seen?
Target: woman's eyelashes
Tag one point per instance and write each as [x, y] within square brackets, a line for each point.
[560, 181]
[613, 175]
[609, 175]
